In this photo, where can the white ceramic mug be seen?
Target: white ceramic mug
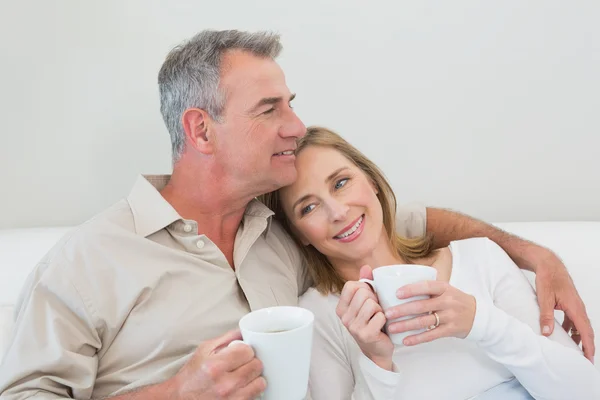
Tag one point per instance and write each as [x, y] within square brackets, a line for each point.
[281, 338]
[387, 280]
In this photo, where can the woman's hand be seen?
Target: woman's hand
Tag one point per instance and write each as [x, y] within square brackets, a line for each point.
[361, 314]
[454, 308]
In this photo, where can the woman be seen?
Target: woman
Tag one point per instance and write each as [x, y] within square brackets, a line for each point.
[483, 339]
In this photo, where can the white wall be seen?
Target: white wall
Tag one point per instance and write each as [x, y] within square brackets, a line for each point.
[489, 108]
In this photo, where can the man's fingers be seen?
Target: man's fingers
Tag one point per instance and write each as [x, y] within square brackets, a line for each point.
[567, 324]
[432, 288]
[242, 376]
[589, 347]
[547, 301]
[251, 391]
[223, 340]
[583, 325]
[235, 356]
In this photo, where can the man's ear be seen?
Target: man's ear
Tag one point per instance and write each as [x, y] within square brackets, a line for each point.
[197, 126]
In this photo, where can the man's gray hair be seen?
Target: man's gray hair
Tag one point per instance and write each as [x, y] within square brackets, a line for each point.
[189, 77]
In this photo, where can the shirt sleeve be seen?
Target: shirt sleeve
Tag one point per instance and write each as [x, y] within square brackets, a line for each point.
[52, 353]
[334, 375]
[411, 220]
[506, 327]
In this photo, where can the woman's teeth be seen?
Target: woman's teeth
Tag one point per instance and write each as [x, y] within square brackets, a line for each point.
[351, 230]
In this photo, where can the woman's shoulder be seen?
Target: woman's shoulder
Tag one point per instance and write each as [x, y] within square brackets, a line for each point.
[480, 260]
[477, 251]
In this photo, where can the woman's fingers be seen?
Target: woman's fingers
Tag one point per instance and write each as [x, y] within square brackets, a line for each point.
[360, 297]
[412, 324]
[368, 310]
[428, 336]
[422, 288]
[347, 296]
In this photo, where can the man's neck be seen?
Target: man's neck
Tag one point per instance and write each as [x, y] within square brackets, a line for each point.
[217, 211]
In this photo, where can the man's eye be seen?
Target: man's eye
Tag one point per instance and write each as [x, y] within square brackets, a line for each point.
[341, 183]
[269, 111]
[307, 209]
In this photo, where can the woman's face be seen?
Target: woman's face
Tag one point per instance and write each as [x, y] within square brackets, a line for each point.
[333, 205]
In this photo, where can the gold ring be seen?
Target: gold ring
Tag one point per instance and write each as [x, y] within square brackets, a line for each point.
[437, 321]
[575, 332]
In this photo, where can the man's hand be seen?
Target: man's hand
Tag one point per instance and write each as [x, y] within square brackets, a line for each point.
[555, 290]
[216, 371]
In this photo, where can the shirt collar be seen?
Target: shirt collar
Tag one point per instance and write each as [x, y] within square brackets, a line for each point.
[151, 212]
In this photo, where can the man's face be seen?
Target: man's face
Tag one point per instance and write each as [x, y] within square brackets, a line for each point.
[256, 140]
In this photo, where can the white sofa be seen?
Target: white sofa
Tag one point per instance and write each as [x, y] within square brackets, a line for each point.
[574, 242]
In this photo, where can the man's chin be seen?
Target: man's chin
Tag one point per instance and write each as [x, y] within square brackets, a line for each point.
[285, 179]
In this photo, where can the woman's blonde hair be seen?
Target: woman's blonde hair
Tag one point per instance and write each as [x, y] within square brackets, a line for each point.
[325, 277]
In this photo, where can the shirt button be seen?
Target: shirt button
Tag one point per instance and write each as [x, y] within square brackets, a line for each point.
[199, 244]
[187, 228]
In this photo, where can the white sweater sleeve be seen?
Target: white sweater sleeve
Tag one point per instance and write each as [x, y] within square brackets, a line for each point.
[506, 328]
[337, 370]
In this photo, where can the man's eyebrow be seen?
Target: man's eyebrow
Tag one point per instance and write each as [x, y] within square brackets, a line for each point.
[268, 101]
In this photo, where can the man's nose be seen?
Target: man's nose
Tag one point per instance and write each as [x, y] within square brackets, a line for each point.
[293, 126]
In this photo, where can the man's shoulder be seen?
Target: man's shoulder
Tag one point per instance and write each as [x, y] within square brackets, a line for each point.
[278, 237]
[113, 221]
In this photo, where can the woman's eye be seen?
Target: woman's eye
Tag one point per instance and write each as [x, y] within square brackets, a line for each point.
[341, 183]
[307, 209]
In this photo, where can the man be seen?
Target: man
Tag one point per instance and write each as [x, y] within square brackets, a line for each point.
[142, 300]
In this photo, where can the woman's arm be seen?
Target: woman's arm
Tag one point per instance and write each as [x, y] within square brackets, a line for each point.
[506, 328]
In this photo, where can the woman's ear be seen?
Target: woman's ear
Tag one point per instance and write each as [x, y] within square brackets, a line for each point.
[374, 186]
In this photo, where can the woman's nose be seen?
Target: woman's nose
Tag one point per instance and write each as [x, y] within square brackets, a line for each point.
[339, 211]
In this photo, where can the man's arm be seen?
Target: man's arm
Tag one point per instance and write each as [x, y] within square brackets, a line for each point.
[53, 353]
[215, 371]
[554, 286]
[449, 225]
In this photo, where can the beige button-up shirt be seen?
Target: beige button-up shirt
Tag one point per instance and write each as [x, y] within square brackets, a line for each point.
[123, 300]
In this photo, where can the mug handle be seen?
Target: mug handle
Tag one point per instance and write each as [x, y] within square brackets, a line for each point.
[369, 282]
